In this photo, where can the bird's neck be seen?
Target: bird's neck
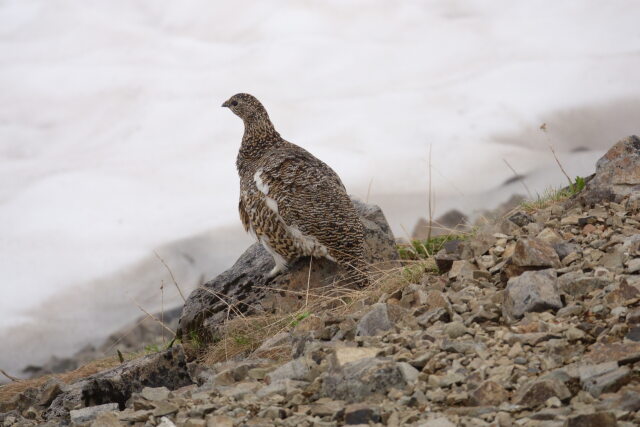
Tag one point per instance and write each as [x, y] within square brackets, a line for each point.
[259, 137]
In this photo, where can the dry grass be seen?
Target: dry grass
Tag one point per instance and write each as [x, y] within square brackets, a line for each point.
[9, 391]
[240, 336]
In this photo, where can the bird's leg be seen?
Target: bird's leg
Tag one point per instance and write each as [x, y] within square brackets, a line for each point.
[281, 266]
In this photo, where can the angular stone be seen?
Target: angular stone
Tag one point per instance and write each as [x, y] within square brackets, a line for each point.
[106, 419]
[489, 393]
[155, 393]
[84, 415]
[301, 369]
[617, 173]
[532, 291]
[219, 421]
[164, 408]
[359, 380]
[325, 407]
[361, 414]
[165, 422]
[623, 353]
[444, 261]
[633, 334]
[609, 382]
[282, 387]
[577, 283]
[437, 422]
[538, 391]
[536, 253]
[344, 355]
[380, 318]
[455, 329]
[521, 219]
[598, 419]
[409, 373]
[460, 270]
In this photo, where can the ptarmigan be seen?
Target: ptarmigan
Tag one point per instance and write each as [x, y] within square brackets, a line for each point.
[293, 203]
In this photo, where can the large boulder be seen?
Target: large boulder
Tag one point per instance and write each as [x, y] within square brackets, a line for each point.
[164, 369]
[617, 173]
[245, 287]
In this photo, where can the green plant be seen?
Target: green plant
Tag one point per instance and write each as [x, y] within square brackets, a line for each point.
[242, 340]
[299, 318]
[423, 249]
[195, 340]
[151, 348]
[578, 185]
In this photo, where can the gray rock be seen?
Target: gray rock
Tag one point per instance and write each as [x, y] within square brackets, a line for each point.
[530, 292]
[489, 393]
[455, 329]
[301, 369]
[536, 392]
[577, 283]
[438, 422]
[409, 373]
[534, 253]
[361, 414]
[617, 173]
[155, 393]
[380, 318]
[598, 419]
[283, 387]
[84, 415]
[358, 380]
[563, 249]
[244, 284]
[168, 369]
[521, 219]
[609, 382]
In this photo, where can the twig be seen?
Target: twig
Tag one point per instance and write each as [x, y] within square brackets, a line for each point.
[171, 274]
[519, 178]
[431, 208]
[306, 301]
[12, 378]
[369, 190]
[162, 307]
[155, 318]
[543, 128]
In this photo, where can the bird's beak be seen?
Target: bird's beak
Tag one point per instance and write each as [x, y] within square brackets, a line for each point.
[225, 104]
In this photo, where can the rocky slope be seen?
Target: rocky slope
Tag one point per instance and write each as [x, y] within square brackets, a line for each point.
[532, 321]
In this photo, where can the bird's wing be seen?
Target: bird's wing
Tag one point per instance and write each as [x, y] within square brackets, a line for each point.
[308, 193]
[244, 217]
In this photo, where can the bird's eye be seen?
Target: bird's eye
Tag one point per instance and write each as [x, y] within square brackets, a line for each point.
[234, 103]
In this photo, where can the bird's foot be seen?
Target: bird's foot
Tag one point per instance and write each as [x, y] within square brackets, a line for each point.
[275, 271]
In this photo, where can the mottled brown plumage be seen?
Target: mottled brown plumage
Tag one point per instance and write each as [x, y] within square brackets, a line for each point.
[292, 202]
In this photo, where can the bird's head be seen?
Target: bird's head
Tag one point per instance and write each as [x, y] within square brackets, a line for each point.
[247, 107]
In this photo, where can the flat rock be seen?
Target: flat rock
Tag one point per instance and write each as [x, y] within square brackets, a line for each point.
[599, 419]
[343, 355]
[622, 353]
[84, 415]
[532, 291]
